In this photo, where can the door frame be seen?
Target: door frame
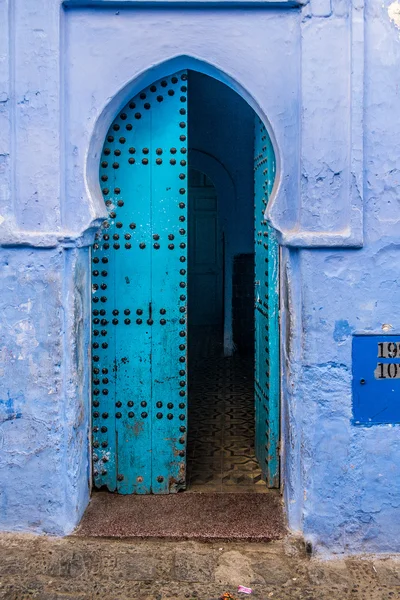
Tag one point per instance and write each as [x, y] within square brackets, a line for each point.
[225, 188]
[205, 192]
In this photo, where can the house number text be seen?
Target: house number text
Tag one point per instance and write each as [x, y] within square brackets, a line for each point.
[389, 370]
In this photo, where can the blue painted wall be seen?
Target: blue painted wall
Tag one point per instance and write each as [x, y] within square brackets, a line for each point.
[43, 408]
[325, 78]
[342, 482]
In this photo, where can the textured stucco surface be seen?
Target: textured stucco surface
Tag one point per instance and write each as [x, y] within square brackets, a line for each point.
[326, 79]
[344, 485]
[43, 403]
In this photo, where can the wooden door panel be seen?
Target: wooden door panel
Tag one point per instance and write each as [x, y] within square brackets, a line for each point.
[140, 296]
[266, 313]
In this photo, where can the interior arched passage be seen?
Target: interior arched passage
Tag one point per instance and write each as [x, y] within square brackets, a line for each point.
[225, 186]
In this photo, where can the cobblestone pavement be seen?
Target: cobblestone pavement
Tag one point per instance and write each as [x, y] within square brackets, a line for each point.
[85, 568]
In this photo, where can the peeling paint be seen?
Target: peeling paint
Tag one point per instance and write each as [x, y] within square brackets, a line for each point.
[34, 404]
[394, 13]
[342, 330]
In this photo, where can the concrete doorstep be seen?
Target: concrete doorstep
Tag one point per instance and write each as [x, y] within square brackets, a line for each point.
[201, 516]
[47, 568]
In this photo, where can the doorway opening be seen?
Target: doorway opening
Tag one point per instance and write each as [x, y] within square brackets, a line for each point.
[185, 336]
[221, 292]
[221, 420]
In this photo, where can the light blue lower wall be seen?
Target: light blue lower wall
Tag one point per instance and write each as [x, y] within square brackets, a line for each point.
[342, 482]
[44, 403]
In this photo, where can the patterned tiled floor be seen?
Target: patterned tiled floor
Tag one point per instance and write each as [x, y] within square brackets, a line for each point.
[220, 454]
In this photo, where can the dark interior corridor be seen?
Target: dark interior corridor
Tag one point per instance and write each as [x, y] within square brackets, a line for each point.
[221, 411]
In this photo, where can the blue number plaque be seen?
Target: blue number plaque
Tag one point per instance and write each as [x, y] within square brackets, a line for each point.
[376, 379]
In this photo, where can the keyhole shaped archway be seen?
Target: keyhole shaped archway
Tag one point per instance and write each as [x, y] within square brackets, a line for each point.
[159, 235]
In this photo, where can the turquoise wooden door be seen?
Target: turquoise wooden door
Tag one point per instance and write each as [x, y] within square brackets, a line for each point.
[266, 313]
[139, 263]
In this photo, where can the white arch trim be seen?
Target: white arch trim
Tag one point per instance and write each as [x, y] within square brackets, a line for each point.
[145, 78]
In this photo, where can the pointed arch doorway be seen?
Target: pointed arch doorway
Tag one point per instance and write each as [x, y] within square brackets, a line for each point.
[144, 272]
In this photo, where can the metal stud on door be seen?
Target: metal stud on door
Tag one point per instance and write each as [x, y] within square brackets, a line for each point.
[266, 313]
[138, 282]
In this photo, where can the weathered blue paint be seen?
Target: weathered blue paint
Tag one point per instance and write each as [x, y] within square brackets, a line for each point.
[139, 296]
[335, 131]
[376, 379]
[342, 330]
[266, 312]
[44, 457]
